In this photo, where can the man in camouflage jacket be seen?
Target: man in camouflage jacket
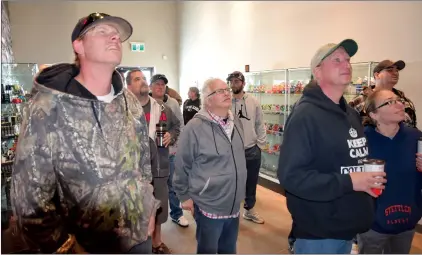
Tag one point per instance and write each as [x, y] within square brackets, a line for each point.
[386, 75]
[82, 171]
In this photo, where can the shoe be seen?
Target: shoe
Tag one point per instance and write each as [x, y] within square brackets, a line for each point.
[182, 221]
[355, 249]
[253, 216]
[161, 249]
[291, 246]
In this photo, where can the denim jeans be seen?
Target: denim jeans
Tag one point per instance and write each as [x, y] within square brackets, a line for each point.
[253, 164]
[322, 246]
[215, 235]
[175, 210]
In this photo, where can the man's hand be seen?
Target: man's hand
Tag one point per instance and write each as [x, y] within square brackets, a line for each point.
[419, 162]
[151, 225]
[364, 181]
[167, 139]
[188, 205]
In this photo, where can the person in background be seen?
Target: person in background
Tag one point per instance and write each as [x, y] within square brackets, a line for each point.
[82, 171]
[158, 92]
[156, 112]
[192, 105]
[210, 174]
[249, 111]
[399, 207]
[321, 159]
[173, 94]
[386, 75]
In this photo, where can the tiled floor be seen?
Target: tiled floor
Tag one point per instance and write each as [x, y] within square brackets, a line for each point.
[270, 237]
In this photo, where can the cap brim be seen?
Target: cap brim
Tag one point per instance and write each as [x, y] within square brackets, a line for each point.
[123, 26]
[399, 64]
[350, 46]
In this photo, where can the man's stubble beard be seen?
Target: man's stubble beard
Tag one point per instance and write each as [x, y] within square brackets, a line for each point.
[237, 91]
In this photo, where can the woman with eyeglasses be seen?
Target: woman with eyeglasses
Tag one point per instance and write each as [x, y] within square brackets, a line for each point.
[399, 207]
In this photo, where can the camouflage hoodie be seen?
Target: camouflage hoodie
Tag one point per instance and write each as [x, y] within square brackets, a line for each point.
[82, 168]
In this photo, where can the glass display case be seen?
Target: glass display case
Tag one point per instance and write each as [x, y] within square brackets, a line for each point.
[277, 91]
[16, 81]
[269, 87]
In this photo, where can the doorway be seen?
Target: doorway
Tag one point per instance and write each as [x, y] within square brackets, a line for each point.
[148, 71]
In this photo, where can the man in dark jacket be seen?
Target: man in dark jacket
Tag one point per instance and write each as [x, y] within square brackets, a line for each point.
[321, 159]
[82, 175]
[192, 105]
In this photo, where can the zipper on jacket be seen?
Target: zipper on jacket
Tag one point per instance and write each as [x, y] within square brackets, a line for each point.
[234, 161]
[235, 190]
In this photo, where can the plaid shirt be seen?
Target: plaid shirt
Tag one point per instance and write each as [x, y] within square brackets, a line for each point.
[358, 103]
[227, 125]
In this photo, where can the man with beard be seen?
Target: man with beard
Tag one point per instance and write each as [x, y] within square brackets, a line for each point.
[386, 75]
[156, 112]
[158, 91]
[249, 111]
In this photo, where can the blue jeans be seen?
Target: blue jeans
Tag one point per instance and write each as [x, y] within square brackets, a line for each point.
[253, 164]
[175, 211]
[322, 246]
[215, 236]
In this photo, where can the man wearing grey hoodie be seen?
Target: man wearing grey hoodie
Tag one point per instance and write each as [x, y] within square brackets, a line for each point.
[210, 175]
[248, 109]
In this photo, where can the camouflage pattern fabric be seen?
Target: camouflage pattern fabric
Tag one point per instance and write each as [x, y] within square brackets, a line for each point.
[81, 178]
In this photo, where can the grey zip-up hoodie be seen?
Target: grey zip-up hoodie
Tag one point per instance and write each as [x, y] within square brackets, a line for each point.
[211, 169]
[252, 120]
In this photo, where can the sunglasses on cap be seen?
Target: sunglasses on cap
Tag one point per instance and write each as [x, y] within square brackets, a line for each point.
[123, 26]
[91, 19]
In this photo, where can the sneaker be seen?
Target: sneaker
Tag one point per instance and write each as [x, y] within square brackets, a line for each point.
[182, 221]
[161, 249]
[291, 246]
[253, 216]
[355, 249]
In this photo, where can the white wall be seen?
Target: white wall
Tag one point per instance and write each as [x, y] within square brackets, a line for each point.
[219, 37]
[41, 32]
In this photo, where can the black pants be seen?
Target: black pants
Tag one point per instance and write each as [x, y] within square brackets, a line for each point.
[253, 164]
[142, 248]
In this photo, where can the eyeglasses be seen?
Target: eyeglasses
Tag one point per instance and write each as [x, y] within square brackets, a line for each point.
[392, 102]
[220, 91]
[91, 19]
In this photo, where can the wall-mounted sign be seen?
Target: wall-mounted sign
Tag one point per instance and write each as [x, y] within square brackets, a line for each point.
[137, 46]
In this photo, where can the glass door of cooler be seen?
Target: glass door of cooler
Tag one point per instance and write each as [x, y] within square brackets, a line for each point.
[298, 79]
[361, 78]
[269, 87]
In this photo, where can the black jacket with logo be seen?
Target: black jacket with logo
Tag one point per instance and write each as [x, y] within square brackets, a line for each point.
[323, 143]
[190, 108]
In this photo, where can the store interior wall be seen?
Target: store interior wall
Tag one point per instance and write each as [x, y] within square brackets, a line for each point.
[219, 37]
[41, 32]
[208, 38]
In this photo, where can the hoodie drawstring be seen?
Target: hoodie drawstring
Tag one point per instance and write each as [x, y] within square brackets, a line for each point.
[215, 143]
[96, 116]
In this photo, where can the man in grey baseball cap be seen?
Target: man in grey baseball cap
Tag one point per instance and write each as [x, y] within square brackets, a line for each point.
[321, 163]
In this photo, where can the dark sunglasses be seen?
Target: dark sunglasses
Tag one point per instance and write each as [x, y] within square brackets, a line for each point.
[91, 19]
[392, 102]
